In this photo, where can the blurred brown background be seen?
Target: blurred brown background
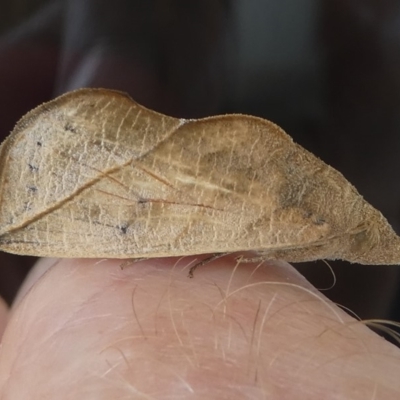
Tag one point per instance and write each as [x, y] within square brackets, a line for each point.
[327, 71]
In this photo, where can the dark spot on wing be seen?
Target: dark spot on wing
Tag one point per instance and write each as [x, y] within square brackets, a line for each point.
[315, 219]
[68, 127]
[39, 144]
[123, 229]
[33, 168]
[32, 188]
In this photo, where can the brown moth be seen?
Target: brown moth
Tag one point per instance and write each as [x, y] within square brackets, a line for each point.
[94, 174]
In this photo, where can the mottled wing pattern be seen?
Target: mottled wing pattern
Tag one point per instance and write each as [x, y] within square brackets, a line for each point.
[93, 174]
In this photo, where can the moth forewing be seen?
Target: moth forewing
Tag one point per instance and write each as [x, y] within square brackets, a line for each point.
[94, 174]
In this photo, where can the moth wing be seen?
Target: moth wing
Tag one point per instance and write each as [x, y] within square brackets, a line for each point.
[197, 187]
[60, 149]
[93, 174]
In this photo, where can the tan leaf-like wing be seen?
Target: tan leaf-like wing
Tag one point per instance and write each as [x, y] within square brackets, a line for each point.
[94, 174]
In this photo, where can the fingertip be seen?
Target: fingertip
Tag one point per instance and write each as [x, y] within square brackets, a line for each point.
[38, 270]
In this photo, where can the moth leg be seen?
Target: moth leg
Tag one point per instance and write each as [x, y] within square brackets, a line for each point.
[130, 261]
[257, 259]
[213, 257]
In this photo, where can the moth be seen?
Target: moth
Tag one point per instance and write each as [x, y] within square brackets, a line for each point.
[94, 174]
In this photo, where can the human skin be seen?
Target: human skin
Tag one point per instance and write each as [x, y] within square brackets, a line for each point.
[87, 329]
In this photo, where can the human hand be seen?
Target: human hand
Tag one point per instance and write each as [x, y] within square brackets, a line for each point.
[89, 329]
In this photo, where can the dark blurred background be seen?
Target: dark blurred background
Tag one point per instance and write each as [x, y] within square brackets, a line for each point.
[327, 71]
